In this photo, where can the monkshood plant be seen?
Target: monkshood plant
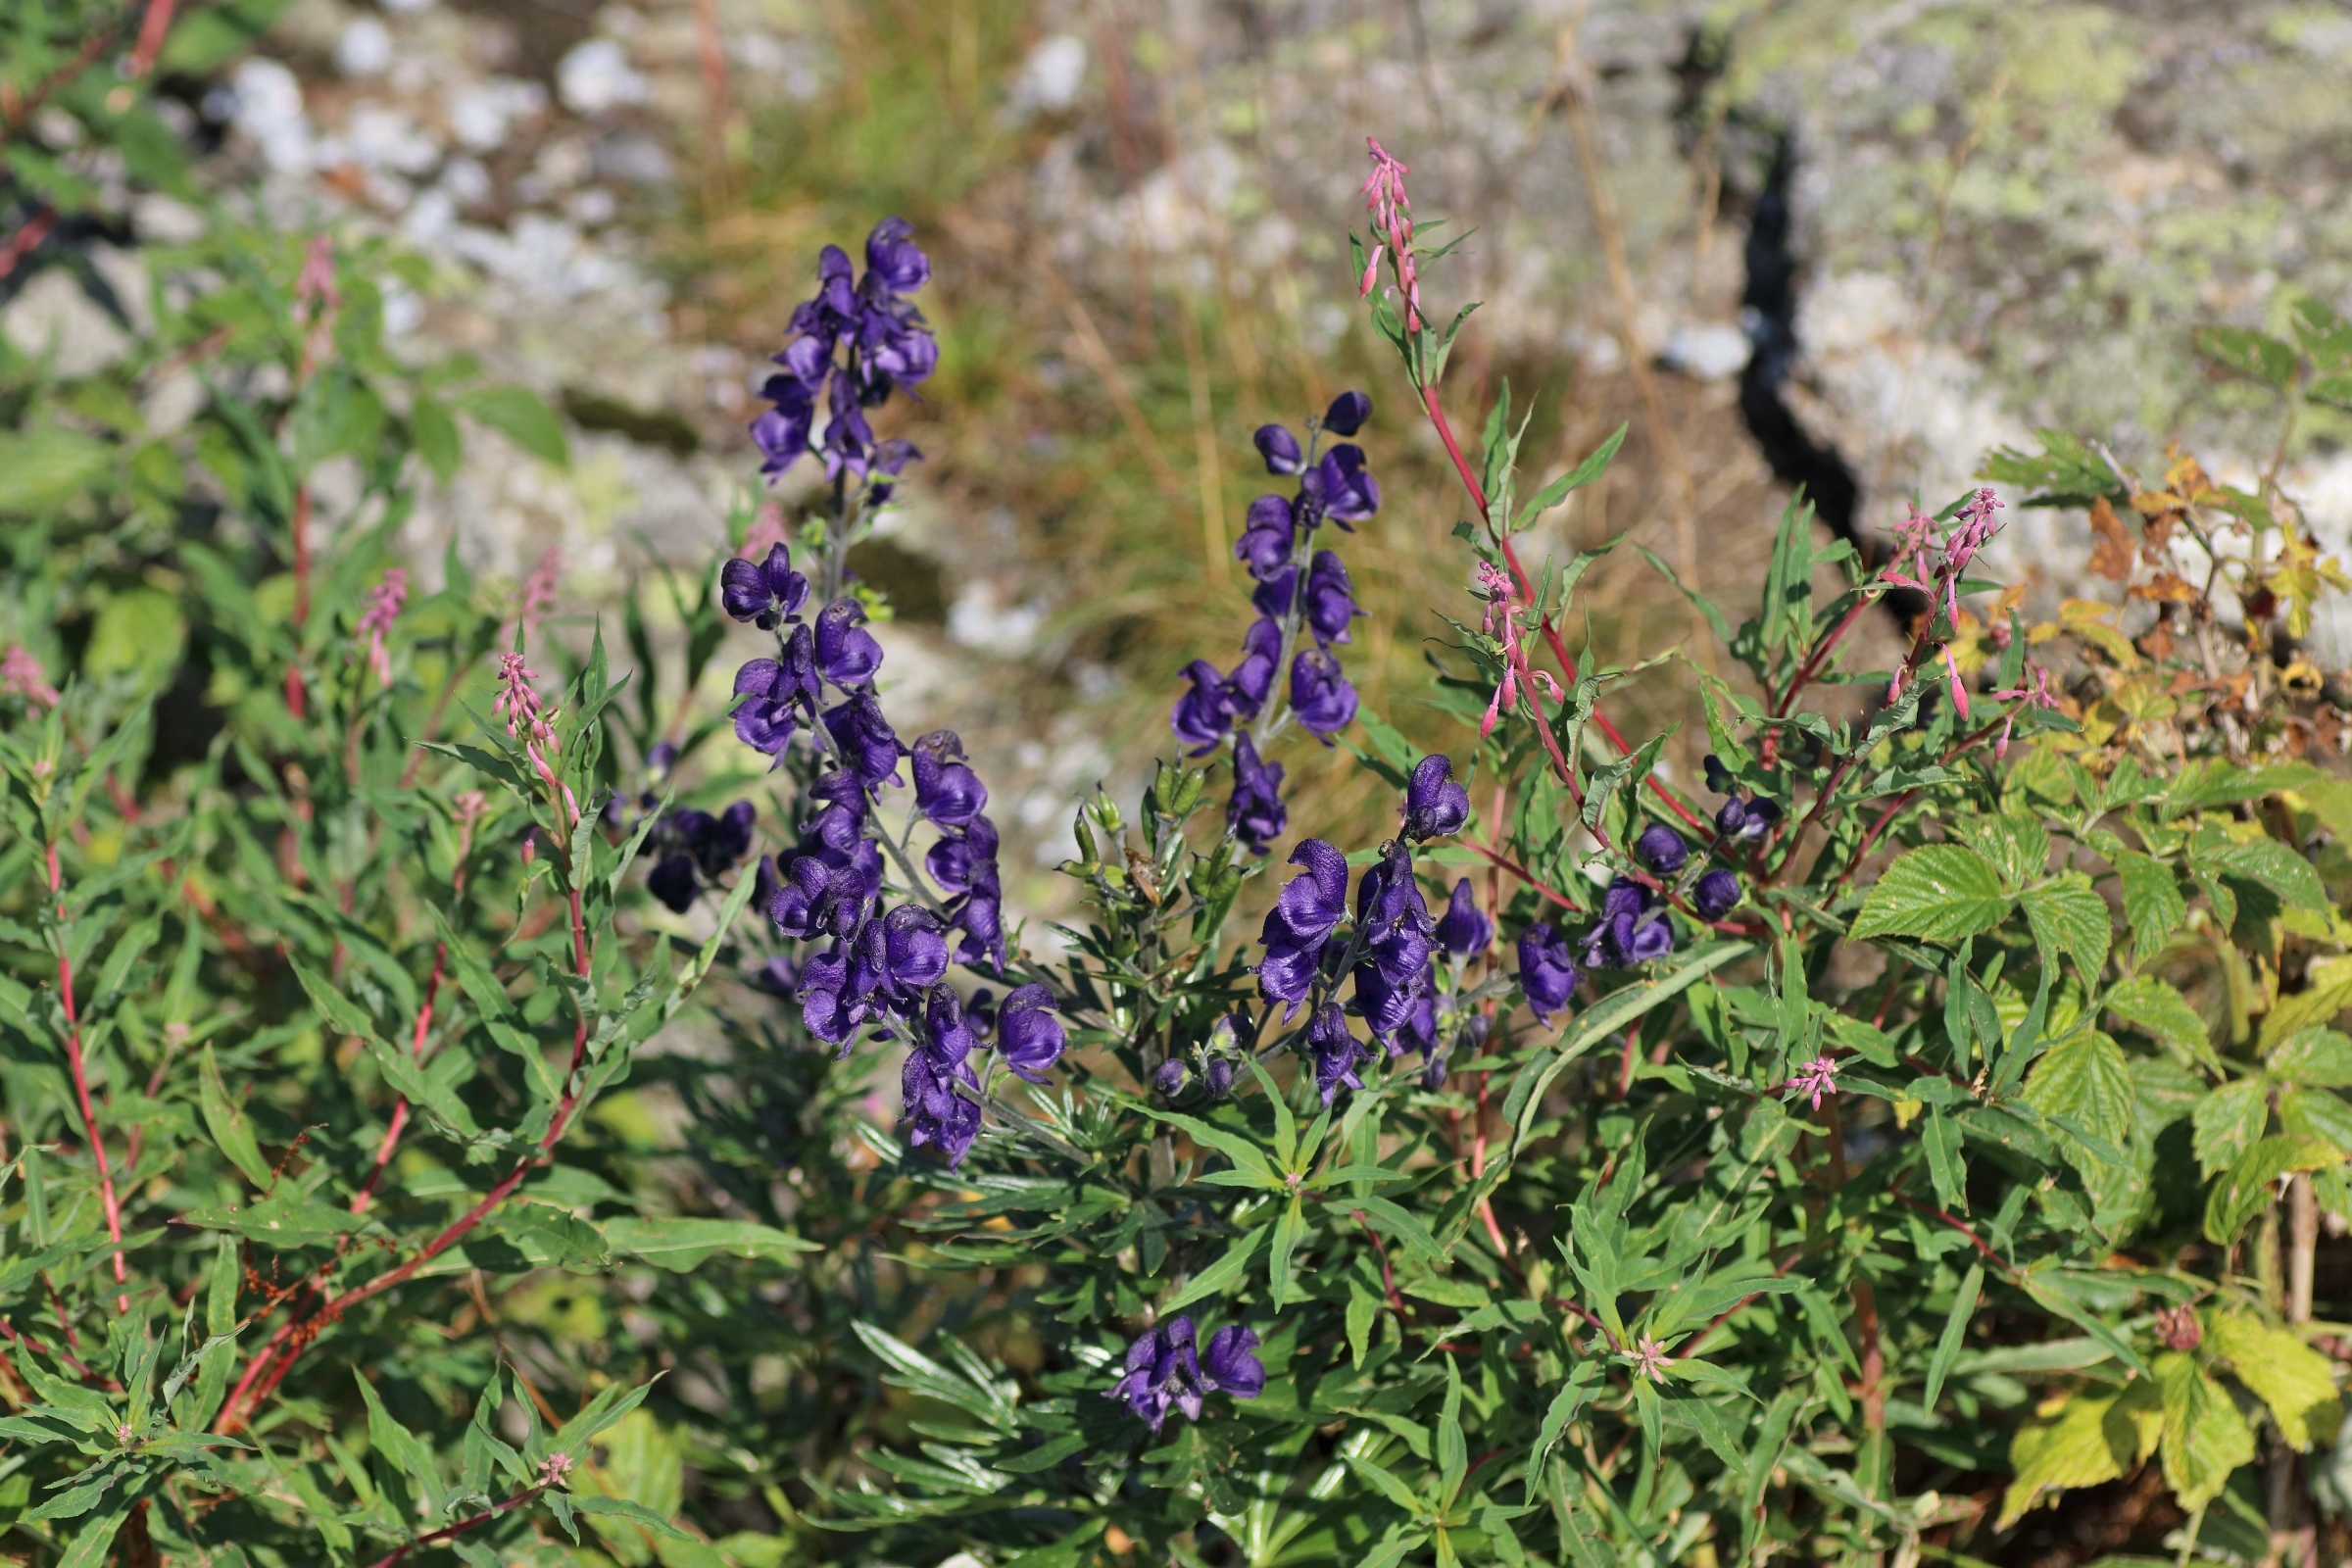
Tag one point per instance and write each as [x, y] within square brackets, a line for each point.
[1929, 1120]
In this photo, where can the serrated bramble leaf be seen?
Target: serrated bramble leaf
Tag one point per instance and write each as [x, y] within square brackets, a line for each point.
[2069, 917]
[1939, 892]
[2205, 1438]
[2294, 1380]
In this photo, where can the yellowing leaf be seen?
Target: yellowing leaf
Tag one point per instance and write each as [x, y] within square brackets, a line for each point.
[2290, 1376]
[2086, 1438]
[2204, 1435]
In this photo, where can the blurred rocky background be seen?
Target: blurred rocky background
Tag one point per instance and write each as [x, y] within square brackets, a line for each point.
[1844, 244]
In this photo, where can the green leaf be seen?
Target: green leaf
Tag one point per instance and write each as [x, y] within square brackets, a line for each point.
[1286, 1229]
[2255, 355]
[2316, 1058]
[521, 415]
[1940, 892]
[286, 1220]
[2092, 1438]
[1223, 1274]
[1955, 1332]
[338, 1011]
[1584, 474]
[635, 1514]
[2205, 1438]
[1945, 1168]
[1396, 1490]
[682, 1244]
[1699, 600]
[2152, 903]
[2318, 1113]
[2017, 845]
[2245, 1191]
[2069, 917]
[1564, 1407]
[403, 1449]
[228, 1125]
[43, 469]
[436, 436]
[90, 1543]
[2267, 863]
[1235, 1147]
[2159, 1010]
[2227, 1122]
[2084, 1079]
[1625, 773]
[2294, 1380]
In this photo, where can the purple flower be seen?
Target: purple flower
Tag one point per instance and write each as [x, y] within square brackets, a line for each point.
[1255, 815]
[1246, 688]
[1267, 537]
[776, 695]
[866, 742]
[1320, 694]
[1757, 818]
[911, 953]
[1301, 922]
[1547, 973]
[1217, 1077]
[1623, 936]
[1348, 413]
[967, 860]
[1275, 595]
[1339, 487]
[1279, 448]
[1435, 805]
[946, 791]
[892, 258]
[945, 1120]
[1715, 893]
[1202, 715]
[1730, 818]
[672, 881]
[716, 843]
[766, 593]
[1719, 777]
[1330, 599]
[846, 652]
[1229, 1364]
[833, 1001]
[1168, 1078]
[1661, 849]
[781, 432]
[1029, 1037]
[1335, 1052]
[1463, 929]
[1162, 1371]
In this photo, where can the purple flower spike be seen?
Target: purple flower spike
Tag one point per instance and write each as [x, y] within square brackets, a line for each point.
[1435, 805]
[946, 790]
[1279, 448]
[1228, 1364]
[1349, 413]
[1715, 895]
[1463, 930]
[846, 652]
[1320, 694]
[1028, 1035]
[1335, 1051]
[1547, 973]
[1661, 849]
[1255, 815]
[1218, 1077]
[766, 593]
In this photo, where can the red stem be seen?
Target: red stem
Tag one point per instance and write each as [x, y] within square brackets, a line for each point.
[399, 1108]
[451, 1532]
[295, 695]
[82, 1090]
[1813, 661]
[152, 29]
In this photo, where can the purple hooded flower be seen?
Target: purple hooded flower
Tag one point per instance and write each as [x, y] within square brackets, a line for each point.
[766, 593]
[1229, 1363]
[1266, 537]
[1348, 413]
[781, 432]
[866, 742]
[1244, 689]
[716, 843]
[1162, 1371]
[1626, 932]
[1279, 448]
[1661, 849]
[1202, 716]
[1255, 814]
[948, 1121]
[1547, 973]
[1715, 893]
[834, 1000]
[672, 881]
[960, 863]
[894, 259]
[1029, 1037]
[1301, 922]
[1463, 930]
[1277, 593]
[1435, 805]
[1330, 599]
[776, 695]
[911, 953]
[1320, 694]
[1335, 1052]
[1396, 971]
[1339, 487]
[846, 652]
[946, 790]
[1167, 1079]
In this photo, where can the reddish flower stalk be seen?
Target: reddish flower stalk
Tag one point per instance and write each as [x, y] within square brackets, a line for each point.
[82, 1090]
[384, 603]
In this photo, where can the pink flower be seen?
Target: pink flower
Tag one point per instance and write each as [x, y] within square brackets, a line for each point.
[1816, 1078]
[21, 675]
[316, 301]
[1975, 532]
[1503, 609]
[554, 1469]
[539, 591]
[384, 602]
[1951, 668]
[1650, 1360]
[1391, 213]
[2035, 693]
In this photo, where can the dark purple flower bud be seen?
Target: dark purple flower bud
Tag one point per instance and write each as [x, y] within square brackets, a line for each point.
[1463, 930]
[1335, 1052]
[1255, 814]
[1719, 777]
[894, 259]
[1661, 849]
[718, 842]
[1168, 1078]
[1028, 1035]
[1760, 818]
[1201, 716]
[1301, 922]
[1432, 1076]
[1267, 537]
[1279, 448]
[672, 881]
[766, 592]
[1217, 1077]
[661, 758]
[1341, 487]
[1330, 599]
[1348, 413]
[1229, 1366]
[1547, 973]
[1715, 893]
[781, 432]
[946, 791]
[1730, 818]
[1320, 694]
[913, 953]
[864, 738]
[846, 652]
[1435, 805]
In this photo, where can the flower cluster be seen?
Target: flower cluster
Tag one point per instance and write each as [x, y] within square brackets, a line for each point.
[943, 1092]
[1166, 1369]
[853, 344]
[694, 848]
[1299, 588]
[384, 602]
[781, 696]
[21, 675]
